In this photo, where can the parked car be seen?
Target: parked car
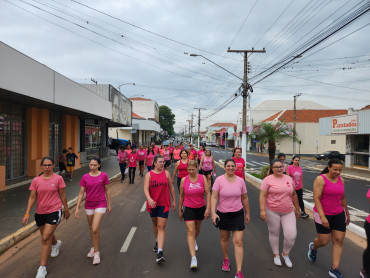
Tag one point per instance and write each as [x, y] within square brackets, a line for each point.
[115, 143]
[329, 155]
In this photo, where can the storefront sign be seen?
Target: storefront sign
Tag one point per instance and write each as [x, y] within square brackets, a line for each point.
[121, 108]
[344, 124]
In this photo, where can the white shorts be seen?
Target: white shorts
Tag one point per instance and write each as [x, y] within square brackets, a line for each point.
[92, 211]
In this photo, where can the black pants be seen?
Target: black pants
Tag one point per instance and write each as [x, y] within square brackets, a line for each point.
[300, 199]
[122, 167]
[366, 255]
[131, 174]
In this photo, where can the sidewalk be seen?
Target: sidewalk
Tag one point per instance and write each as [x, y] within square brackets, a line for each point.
[13, 202]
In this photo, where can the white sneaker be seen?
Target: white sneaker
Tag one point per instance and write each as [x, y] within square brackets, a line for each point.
[41, 272]
[196, 246]
[287, 261]
[55, 249]
[91, 253]
[96, 258]
[194, 263]
[277, 261]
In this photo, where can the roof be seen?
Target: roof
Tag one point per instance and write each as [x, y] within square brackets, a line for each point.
[304, 116]
[139, 98]
[134, 115]
[366, 107]
[224, 124]
[221, 130]
[288, 104]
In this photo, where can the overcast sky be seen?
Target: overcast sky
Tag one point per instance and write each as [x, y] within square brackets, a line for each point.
[147, 42]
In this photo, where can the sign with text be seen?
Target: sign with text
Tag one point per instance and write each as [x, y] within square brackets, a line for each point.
[344, 124]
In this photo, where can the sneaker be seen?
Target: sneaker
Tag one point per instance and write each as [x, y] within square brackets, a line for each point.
[96, 258]
[304, 215]
[70, 179]
[311, 253]
[277, 261]
[55, 249]
[194, 262]
[41, 272]
[226, 265]
[91, 253]
[335, 273]
[363, 274]
[239, 275]
[196, 246]
[155, 248]
[287, 261]
[160, 257]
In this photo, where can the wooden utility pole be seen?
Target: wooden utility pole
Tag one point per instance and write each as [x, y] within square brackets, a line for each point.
[294, 121]
[246, 87]
[199, 125]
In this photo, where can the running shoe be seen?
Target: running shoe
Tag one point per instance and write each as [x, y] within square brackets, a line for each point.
[55, 249]
[311, 253]
[335, 273]
[155, 248]
[160, 257]
[41, 272]
[287, 261]
[226, 265]
[196, 246]
[96, 258]
[304, 215]
[239, 275]
[91, 253]
[194, 262]
[277, 261]
[363, 274]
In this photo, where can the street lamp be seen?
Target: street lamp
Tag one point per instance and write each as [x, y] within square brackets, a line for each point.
[119, 86]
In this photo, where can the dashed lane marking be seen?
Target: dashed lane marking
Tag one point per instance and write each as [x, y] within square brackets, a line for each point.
[143, 208]
[127, 242]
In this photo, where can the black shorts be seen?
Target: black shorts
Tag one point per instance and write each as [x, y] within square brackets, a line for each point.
[50, 218]
[207, 172]
[231, 221]
[193, 214]
[178, 183]
[62, 167]
[141, 162]
[159, 212]
[336, 222]
[167, 163]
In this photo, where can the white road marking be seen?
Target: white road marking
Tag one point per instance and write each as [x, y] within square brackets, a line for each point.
[143, 208]
[127, 242]
[249, 163]
[259, 163]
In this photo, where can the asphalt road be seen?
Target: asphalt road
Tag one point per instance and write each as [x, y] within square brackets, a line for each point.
[139, 259]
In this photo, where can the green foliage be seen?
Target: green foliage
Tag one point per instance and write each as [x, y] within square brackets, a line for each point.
[166, 119]
[264, 171]
[258, 176]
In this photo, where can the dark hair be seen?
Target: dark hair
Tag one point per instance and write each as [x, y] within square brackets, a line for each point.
[203, 147]
[47, 158]
[331, 162]
[272, 162]
[183, 150]
[70, 148]
[149, 149]
[156, 158]
[237, 148]
[65, 151]
[280, 155]
[229, 160]
[294, 157]
[122, 147]
[97, 159]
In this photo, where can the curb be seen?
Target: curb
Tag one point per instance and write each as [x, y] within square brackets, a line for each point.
[10, 240]
[351, 227]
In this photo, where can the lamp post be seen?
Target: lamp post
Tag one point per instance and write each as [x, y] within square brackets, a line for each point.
[190, 125]
[119, 86]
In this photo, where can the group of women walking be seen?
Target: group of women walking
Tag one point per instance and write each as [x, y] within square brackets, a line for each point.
[226, 202]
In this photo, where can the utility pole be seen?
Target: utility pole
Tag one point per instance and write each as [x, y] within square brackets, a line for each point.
[199, 125]
[294, 121]
[191, 129]
[184, 131]
[246, 86]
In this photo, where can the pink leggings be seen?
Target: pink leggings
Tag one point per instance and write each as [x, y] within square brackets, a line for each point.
[288, 222]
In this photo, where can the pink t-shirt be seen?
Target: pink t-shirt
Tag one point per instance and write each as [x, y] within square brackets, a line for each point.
[279, 193]
[128, 151]
[149, 159]
[122, 156]
[171, 149]
[194, 192]
[200, 154]
[296, 174]
[155, 150]
[229, 194]
[192, 154]
[240, 165]
[141, 154]
[368, 217]
[207, 163]
[132, 157]
[47, 190]
[176, 154]
[166, 155]
[95, 190]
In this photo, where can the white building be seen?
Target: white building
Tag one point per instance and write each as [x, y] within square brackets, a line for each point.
[146, 108]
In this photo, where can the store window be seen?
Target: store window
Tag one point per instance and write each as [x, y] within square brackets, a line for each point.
[362, 150]
[55, 135]
[92, 140]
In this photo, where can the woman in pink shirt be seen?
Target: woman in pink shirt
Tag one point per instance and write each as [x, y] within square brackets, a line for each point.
[230, 192]
[200, 153]
[296, 173]
[132, 164]
[149, 158]
[171, 149]
[141, 155]
[330, 214]
[181, 146]
[240, 163]
[207, 165]
[97, 203]
[176, 154]
[279, 207]
[167, 157]
[49, 190]
[181, 167]
[365, 272]
[192, 206]
[122, 161]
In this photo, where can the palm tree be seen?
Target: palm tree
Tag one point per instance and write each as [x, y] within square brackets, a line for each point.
[271, 133]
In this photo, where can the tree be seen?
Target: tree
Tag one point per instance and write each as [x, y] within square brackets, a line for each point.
[166, 119]
[271, 133]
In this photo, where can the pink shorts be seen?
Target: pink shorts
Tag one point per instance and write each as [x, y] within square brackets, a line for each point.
[92, 211]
